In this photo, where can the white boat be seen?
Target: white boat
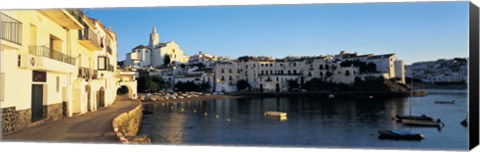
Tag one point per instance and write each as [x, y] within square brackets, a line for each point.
[275, 114]
[422, 120]
[417, 122]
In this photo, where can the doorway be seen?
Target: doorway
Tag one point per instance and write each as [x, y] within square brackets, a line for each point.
[37, 102]
[101, 98]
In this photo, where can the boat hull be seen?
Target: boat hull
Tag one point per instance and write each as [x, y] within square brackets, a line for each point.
[445, 102]
[422, 122]
[387, 134]
[422, 117]
[275, 114]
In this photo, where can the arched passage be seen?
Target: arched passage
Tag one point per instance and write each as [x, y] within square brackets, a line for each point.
[127, 89]
[122, 90]
[79, 95]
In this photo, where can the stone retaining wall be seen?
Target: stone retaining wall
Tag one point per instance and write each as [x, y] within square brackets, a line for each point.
[14, 120]
[128, 123]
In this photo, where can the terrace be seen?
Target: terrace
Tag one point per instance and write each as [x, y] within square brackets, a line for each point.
[52, 54]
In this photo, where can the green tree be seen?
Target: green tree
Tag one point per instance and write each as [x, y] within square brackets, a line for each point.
[187, 86]
[205, 87]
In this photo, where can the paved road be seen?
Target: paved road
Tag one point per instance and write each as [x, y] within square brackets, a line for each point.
[93, 127]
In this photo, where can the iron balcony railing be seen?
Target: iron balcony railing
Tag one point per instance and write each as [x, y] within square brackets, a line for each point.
[88, 34]
[52, 54]
[10, 29]
[76, 13]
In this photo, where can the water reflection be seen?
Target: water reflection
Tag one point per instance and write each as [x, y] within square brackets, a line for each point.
[312, 122]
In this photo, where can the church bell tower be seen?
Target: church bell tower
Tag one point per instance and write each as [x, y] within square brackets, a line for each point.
[154, 40]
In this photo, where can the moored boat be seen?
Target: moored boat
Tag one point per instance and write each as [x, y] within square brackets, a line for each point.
[399, 135]
[444, 102]
[275, 114]
[417, 122]
[422, 117]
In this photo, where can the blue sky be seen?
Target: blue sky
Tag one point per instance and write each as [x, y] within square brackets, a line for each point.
[415, 31]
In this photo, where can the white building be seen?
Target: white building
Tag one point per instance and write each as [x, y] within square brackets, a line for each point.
[269, 74]
[155, 54]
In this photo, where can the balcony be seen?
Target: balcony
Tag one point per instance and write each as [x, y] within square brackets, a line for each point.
[10, 29]
[52, 54]
[89, 39]
[63, 18]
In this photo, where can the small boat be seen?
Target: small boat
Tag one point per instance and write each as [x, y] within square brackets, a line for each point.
[444, 102]
[275, 114]
[399, 134]
[422, 117]
[331, 96]
[416, 122]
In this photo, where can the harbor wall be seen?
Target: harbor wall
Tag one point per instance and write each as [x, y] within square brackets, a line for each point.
[128, 123]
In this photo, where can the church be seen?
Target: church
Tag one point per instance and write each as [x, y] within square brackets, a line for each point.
[156, 54]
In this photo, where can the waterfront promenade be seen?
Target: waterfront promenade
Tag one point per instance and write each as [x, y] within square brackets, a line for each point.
[93, 127]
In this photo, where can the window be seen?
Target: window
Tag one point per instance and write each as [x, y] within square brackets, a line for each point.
[19, 63]
[321, 74]
[223, 78]
[271, 65]
[2, 86]
[58, 84]
[294, 71]
[347, 73]
[223, 71]
[230, 78]
[55, 45]
[229, 70]
[321, 67]
[102, 63]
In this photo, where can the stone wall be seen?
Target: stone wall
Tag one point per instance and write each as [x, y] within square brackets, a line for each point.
[128, 124]
[13, 120]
